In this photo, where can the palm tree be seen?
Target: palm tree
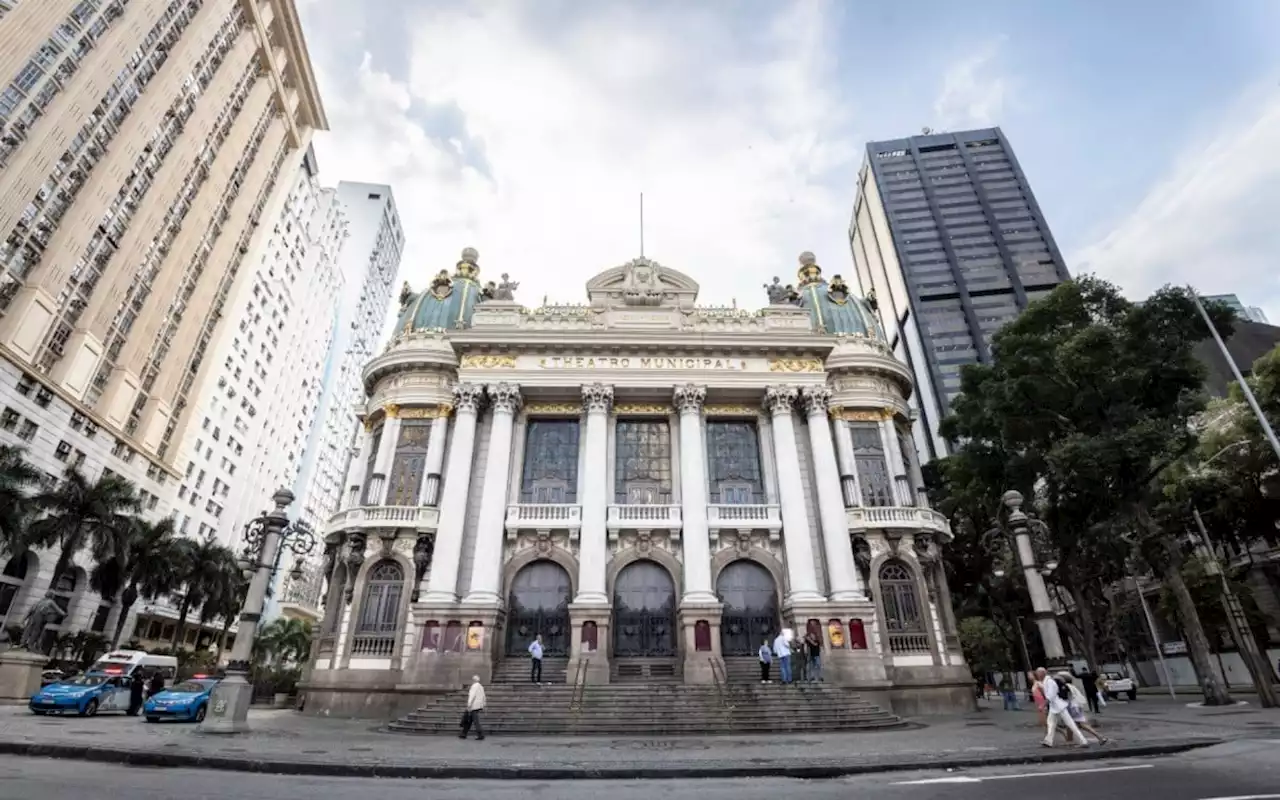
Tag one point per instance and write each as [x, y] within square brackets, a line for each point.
[77, 511]
[286, 640]
[202, 566]
[139, 560]
[224, 595]
[16, 478]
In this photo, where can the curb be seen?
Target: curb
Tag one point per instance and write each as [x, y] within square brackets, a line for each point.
[580, 772]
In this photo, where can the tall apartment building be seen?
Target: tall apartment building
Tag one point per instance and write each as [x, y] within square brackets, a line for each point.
[369, 264]
[947, 234]
[141, 142]
[255, 416]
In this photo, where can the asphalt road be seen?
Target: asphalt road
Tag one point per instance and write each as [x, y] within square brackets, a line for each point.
[1240, 770]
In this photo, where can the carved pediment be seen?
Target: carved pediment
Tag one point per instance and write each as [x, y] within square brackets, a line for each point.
[642, 283]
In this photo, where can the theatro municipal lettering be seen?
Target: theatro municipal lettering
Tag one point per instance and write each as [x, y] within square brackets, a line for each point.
[642, 362]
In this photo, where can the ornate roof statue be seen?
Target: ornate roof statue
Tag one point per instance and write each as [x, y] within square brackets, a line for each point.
[832, 305]
[780, 295]
[643, 283]
[448, 302]
[506, 291]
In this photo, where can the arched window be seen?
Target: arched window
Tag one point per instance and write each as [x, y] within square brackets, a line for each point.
[379, 611]
[903, 615]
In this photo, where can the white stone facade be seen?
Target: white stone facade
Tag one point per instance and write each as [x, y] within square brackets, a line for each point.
[606, 474]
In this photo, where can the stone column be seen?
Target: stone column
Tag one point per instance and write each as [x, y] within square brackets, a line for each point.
[897, 467]
[354, 492]
[430, 493]
[693, 492]
[486, 568]
[443, 585]
[848, 465]
[386, 457]
[795, 521]
[842, 573]
[597, 399]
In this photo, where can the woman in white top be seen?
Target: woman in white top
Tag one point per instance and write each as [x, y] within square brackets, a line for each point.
[1076, 705]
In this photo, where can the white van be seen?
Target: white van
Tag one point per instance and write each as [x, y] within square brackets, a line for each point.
[129, 662]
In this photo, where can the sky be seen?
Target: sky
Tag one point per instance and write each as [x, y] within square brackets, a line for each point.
[1150, 132]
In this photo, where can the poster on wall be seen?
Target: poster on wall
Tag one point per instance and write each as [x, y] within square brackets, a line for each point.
[475, 637]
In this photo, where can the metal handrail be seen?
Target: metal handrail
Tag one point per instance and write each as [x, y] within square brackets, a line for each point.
[720, 677]
[579, 688]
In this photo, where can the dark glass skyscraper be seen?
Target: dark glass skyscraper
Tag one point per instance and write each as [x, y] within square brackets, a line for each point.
[948, 234]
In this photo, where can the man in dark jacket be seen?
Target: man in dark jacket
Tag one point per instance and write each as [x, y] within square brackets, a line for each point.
[136, 686]
[1089, 681]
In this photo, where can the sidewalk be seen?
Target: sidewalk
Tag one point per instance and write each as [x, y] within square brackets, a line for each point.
[285, 742]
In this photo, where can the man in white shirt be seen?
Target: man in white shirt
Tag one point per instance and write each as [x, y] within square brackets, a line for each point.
[475, 707]
[535, 650]
[782, 651]
[1057, 709]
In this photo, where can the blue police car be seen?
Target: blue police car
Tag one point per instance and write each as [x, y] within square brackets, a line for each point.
[188, 700]
[85, 695]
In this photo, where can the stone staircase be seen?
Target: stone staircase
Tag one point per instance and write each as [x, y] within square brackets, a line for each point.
[516, 670]
[649, 709]
[644, 670]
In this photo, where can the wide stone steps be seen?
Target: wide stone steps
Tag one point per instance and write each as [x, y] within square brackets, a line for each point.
[515, 669]
[658, 709]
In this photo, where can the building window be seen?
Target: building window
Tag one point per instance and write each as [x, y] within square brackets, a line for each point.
[903, 618]
[550, 472]
[9, 419]
[28, 430]
[410, 463]
[63, 451]
[379, 611]
[873, 471]
[643, 463]
[733, 462]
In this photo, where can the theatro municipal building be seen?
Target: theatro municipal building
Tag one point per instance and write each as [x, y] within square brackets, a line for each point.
[653, 486]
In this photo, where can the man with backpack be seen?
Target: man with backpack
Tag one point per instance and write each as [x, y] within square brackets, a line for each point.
[1058, 696]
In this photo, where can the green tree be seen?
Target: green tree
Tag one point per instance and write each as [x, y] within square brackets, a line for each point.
[985, 646]
[285, 641]
[17, 479]
[77, 512]
[223, 596]
[137, 560]
[202, 566]
[1088, 397]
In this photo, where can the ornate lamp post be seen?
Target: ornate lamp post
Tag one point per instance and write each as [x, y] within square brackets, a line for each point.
[1019, 525]
[266, 537]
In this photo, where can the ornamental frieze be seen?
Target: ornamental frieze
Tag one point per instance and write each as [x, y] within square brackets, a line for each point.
[487, 362]
[796, 365]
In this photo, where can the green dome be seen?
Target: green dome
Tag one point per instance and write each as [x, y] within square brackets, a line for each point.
[832, 306]
[448, 303]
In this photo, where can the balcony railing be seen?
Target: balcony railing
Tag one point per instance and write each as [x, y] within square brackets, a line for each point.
[408, 517]
[544, 517]
[765, 517]
[643, 517]
[373, 646]
[898, 518]
[909, 643]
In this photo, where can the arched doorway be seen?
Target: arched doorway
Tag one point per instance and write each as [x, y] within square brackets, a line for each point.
[750, 599]
[903, 613]
[644, 611]
[539, 606]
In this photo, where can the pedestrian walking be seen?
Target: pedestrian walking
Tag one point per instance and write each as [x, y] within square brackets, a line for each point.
[1009, 693]
[782, 651]
[535, 667]
[813, 649]
[475, 709]
[137, 688]
[1089, 680]
[1075, 707]
[1057, 695]
[766, 660]
[157, 683]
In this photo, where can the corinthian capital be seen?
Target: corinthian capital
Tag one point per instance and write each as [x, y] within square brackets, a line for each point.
[597, 397]
[815, 399]
[780, 399]
[468, 397]
[688, 399]
[504, 397]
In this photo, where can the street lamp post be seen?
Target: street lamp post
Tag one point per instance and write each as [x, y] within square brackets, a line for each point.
[265, 539]
[1046, 618]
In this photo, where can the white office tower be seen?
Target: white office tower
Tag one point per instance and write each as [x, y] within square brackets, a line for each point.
[369, 262]
[253, 421]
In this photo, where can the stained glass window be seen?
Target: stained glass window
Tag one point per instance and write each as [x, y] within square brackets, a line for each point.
[873, 472]
[642, 462]
[375, 440]
[550, 462]
[733, 460]
[410, 463]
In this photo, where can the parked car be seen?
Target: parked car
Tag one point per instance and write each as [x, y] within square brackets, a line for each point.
[187, 700]
[85, 695]
[1118, 684]
[51, 676]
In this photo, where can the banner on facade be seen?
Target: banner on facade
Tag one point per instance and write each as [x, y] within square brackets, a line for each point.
[475, 637]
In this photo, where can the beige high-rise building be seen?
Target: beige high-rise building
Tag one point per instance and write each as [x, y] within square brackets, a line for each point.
[140, 143]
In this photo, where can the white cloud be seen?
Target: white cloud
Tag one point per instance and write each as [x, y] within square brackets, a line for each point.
[1212, 221]
[973, 93]
[731, 130]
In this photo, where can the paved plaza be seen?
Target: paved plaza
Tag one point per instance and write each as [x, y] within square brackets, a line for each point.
[287, 742]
